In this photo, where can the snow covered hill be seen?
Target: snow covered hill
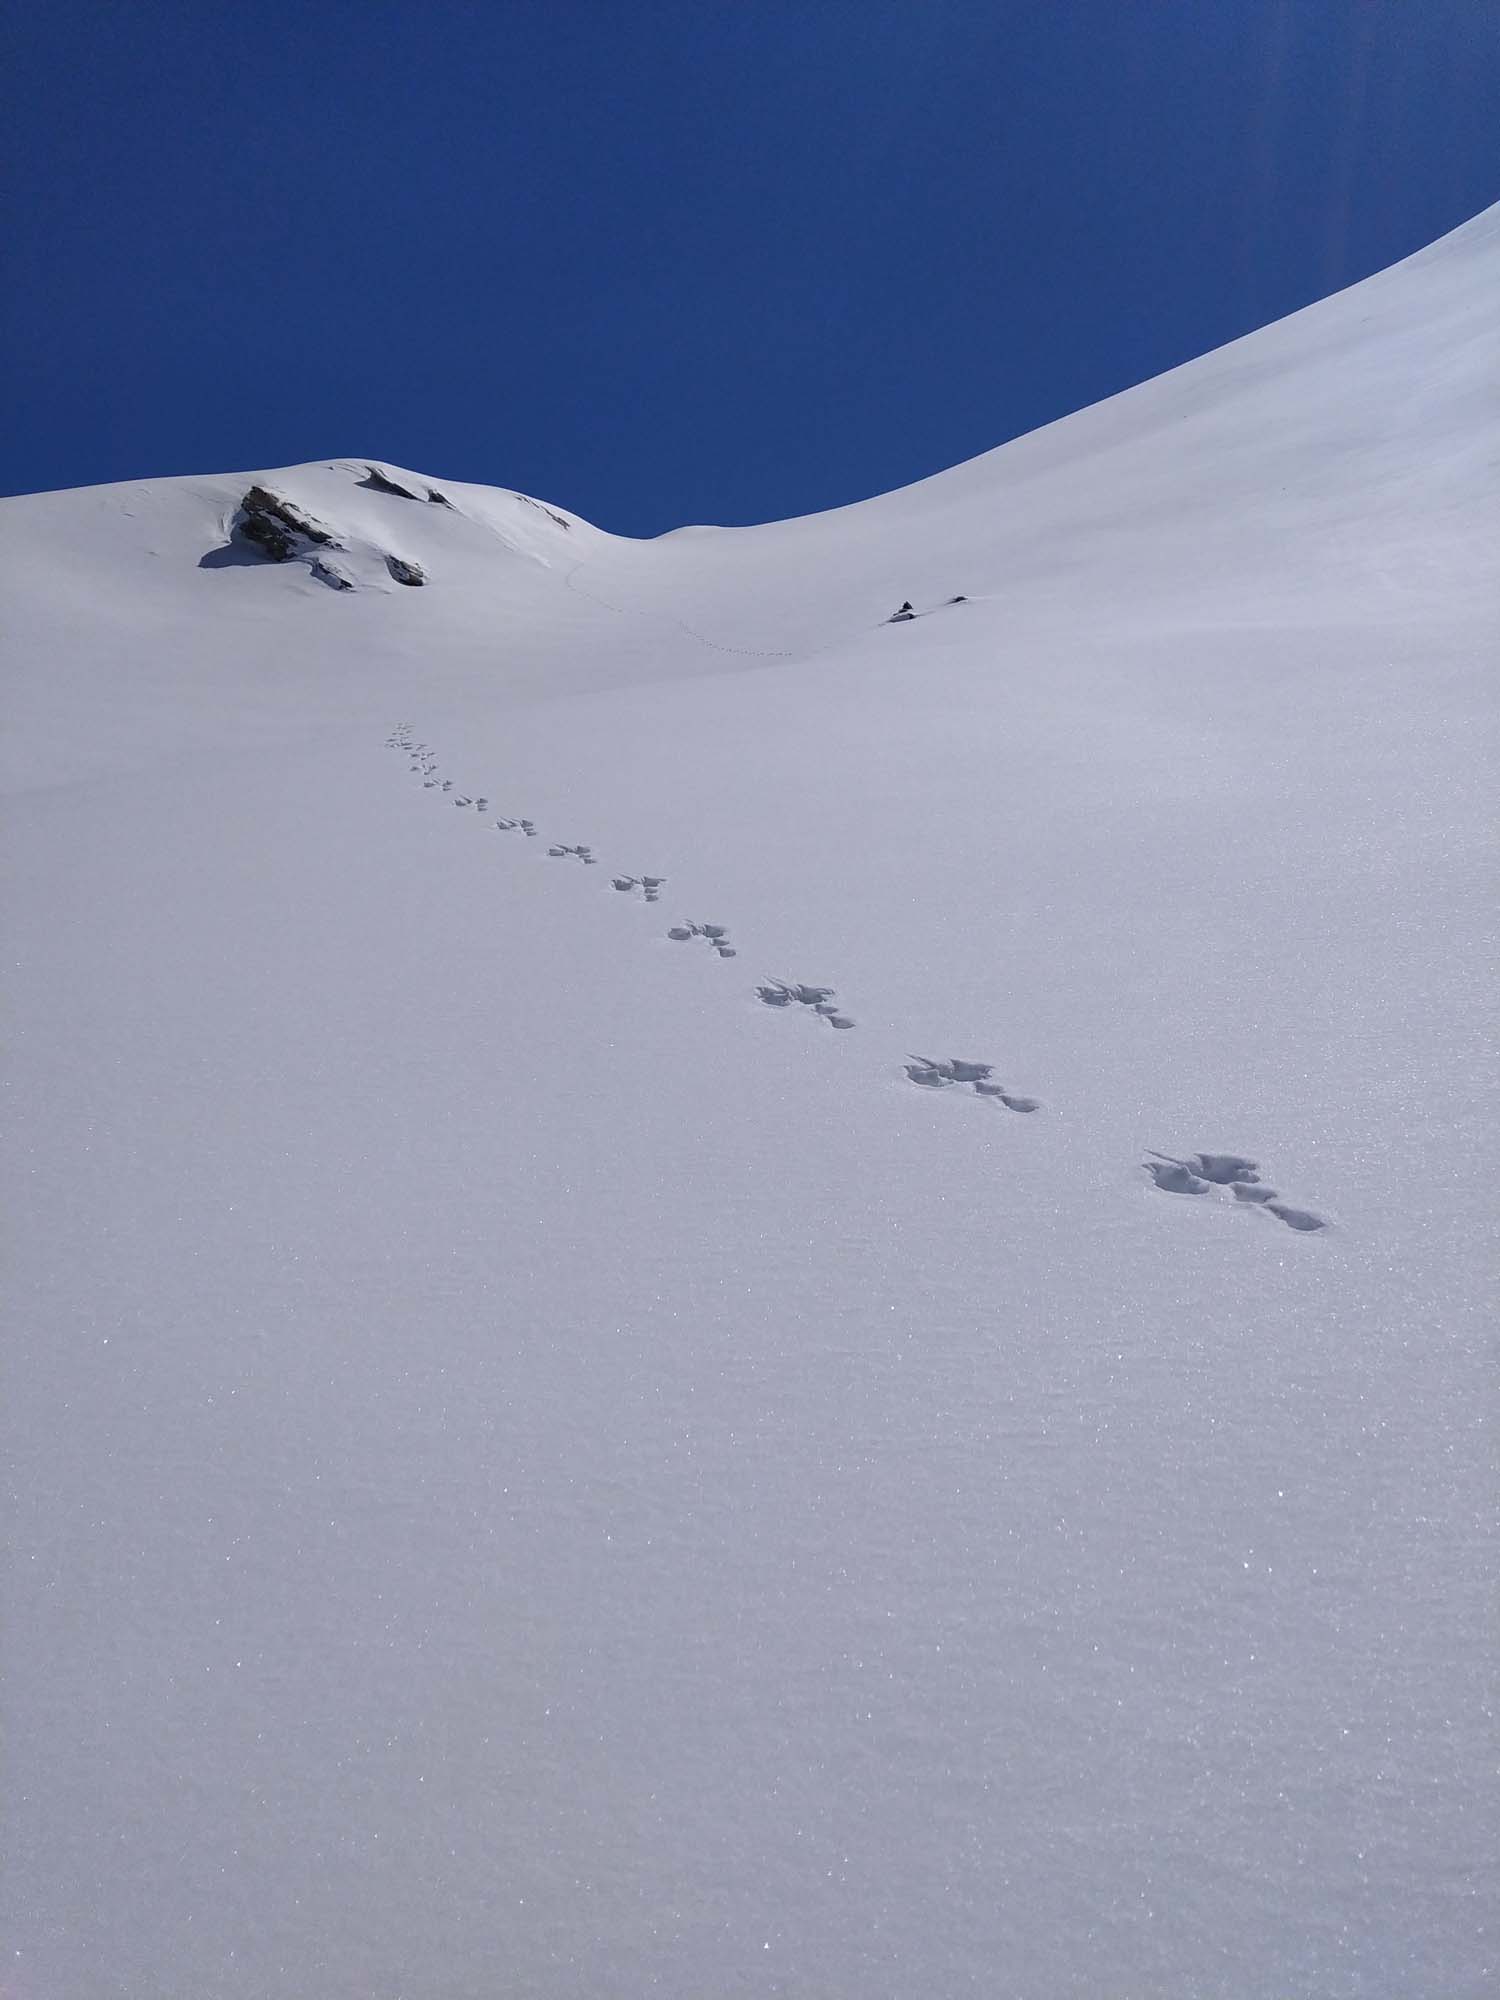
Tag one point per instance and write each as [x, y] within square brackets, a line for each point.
[548, 1460]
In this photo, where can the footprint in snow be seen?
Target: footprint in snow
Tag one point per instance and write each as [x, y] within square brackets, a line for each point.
[715, 935]
[1296, 1218]
[649, 885]
[821, 1001]
[1202, 1171]
[1173, 1178]
[1226, 1169]
[933, 1073]
[1252, 1191]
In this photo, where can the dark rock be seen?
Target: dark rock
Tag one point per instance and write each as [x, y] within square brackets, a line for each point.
[405, 572]
[277, 527]
[558, 518]
[438, 499]
[379, 483]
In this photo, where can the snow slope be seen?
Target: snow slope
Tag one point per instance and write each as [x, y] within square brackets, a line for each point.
[537, 1472]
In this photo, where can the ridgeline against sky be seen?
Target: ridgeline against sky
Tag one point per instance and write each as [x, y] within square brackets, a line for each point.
[671, 263]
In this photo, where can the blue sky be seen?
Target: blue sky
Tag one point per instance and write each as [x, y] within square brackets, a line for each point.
[663, 261]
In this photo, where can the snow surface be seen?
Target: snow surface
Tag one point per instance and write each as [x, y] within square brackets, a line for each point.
[538, 1473]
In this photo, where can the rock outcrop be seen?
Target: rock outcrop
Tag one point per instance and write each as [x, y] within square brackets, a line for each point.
[380, 482]
[280, 530]
[560, 519]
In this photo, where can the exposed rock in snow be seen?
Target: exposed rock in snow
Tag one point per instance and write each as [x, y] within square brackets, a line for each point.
[551, 513]
[278, 527]
[380, 482]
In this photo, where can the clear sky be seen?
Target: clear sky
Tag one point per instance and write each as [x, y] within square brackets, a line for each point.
[665, 261]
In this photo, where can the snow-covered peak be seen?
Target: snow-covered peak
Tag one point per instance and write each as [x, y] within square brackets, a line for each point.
[1347, 449]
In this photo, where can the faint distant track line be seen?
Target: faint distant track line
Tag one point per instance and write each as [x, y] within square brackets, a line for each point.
[664, 618]
[702, 638]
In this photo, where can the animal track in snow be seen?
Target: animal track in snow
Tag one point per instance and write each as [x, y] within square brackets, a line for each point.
[649, 886]
[1296, 1218]
[715, 935]
[1196, 1175]
[1172, 1177]
[819, 1000]
[424, 764]
[935, 1073]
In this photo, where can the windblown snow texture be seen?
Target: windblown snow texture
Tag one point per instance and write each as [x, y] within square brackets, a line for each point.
[536, 1469]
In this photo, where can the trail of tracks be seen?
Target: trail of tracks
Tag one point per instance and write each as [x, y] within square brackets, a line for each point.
[1230, 1173]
